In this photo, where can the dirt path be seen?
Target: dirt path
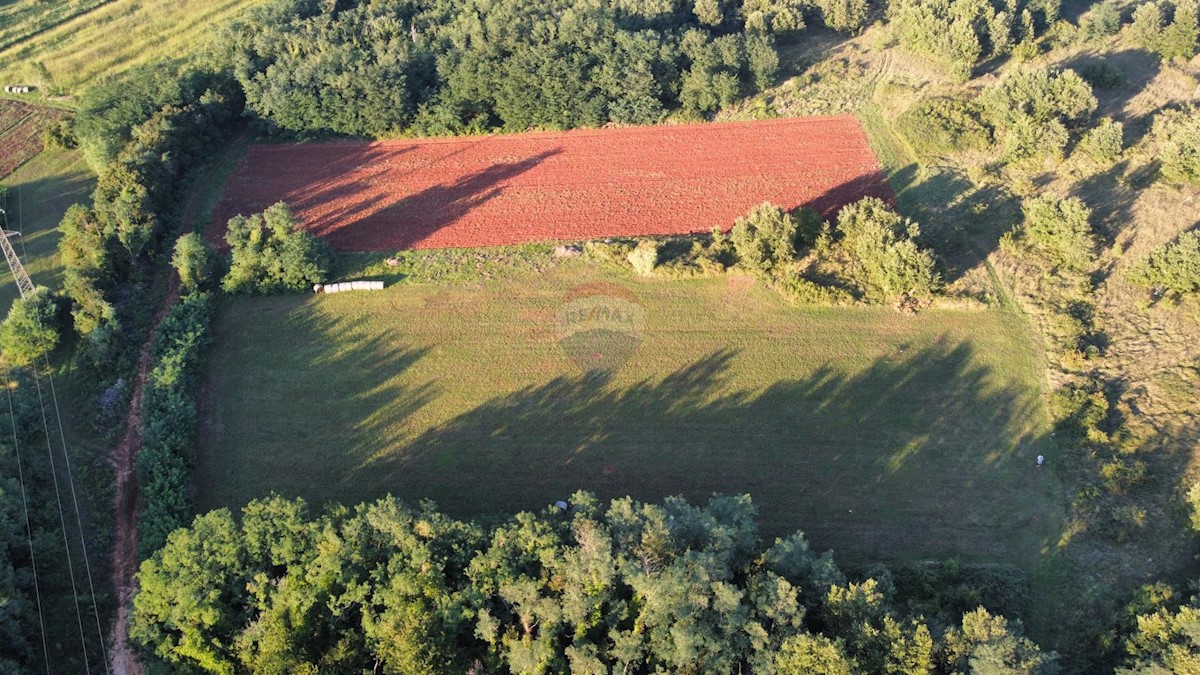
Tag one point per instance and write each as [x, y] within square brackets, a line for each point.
[125, 502]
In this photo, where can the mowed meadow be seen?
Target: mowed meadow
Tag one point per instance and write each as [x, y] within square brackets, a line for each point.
[881, 435]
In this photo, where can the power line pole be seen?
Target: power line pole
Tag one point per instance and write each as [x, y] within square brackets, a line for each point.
[24, 285]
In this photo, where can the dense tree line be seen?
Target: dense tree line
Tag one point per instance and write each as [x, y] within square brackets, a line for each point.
[960, 34]
[593, 588]
[25, 608]
[147, 141]
[401, 66]
[170, 420]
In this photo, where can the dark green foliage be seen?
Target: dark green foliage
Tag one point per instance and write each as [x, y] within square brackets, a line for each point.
[169, 421]
[373, 67]
[271, 255]
[765, 238]
[1101, 74]
[1178, 135]
[194, 261]
[959, 34]
[887, 259]
[1146, 29]
[110, 110]
[1059, 230]
[623, 587]
[1104, 142]
[1178, 40]
[941, 126]
[1104, 20]
[1173, 267]
[147, 142]
[60, 135]
[31, 329]
[1035, 109]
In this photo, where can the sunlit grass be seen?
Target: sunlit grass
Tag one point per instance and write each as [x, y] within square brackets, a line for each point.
[119, 35]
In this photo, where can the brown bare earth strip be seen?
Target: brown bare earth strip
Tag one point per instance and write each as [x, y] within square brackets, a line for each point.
[125, 502]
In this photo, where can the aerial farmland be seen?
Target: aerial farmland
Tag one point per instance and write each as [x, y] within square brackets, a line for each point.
[834, 336]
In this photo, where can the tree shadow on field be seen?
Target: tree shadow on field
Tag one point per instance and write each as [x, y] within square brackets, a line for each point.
[381, 222]
[347, 190]
[287, 385]
[925, 452]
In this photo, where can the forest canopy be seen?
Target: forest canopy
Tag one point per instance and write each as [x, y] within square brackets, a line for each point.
[377, 67]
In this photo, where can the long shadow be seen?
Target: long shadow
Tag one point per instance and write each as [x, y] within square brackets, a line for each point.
[409, 220]
[1135, 69]
[920, 453]
[240, 411]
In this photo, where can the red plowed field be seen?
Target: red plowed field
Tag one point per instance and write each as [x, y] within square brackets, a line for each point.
[498, 190]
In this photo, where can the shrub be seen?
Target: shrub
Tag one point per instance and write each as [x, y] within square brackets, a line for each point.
[1035, 108]
[1147, 26]
[31, 329]
[799, 290]
[1100, 74]
[1178, 134]
[1102, 21]
[764, 238]
[1174, 266]
[1059, 230]
[1041, 95]
[1178, 40]
[844, 16]
[269, 255]
[883, 246]
[169, 420]
[644, 258]
[193, 260]
[1103, 142]
[941, 126]
[60, 135]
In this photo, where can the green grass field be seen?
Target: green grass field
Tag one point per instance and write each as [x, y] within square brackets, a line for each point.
[21, 19]
[879, 434]
[39, 193]
[114, 37]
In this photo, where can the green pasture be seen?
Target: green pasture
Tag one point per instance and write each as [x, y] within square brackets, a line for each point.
[880, 434]
[81, 46]
[39, 193]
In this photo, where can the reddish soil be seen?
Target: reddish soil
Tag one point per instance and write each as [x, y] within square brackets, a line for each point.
[509, 189]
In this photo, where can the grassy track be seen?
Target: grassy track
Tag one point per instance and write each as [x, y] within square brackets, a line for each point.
[879, 434]
[39, 193]
[116, 36]
[20, 19]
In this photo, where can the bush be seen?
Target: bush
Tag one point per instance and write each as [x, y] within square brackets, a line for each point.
[1178, 135]
[1104, 142]
[193, 260]
[1178, 40]
[271, 256]
[644, 258]
[1059, 230]
[31, 329]
[764, 238]
[882, 245]
[941, 126]
[1147, 26]
[1042, 95]
[1035, 108]
[1173, 267]
[60, 135]
[1101, 22]
[169, 420]
[1100, 74]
